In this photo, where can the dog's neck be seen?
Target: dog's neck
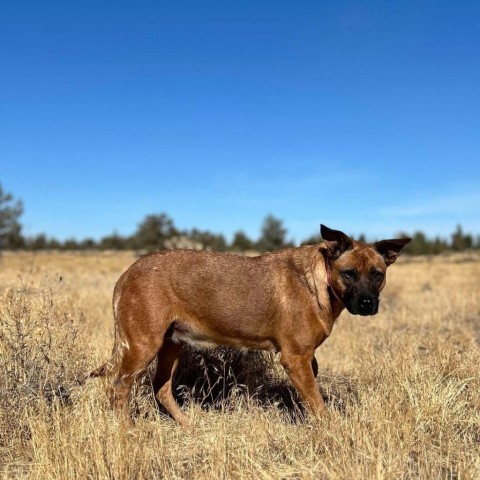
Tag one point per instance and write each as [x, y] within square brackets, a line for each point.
[331, 291]
[318, 279]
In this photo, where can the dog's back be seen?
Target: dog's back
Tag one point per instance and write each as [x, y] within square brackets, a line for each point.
[225, 298]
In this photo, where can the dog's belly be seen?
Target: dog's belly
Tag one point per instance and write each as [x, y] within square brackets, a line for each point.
[182, 332]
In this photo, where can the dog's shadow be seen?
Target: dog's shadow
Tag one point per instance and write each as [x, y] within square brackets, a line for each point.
[214, 379]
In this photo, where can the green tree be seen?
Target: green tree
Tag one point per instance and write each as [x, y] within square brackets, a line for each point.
[461, 241]
[419, 244]
[273, 235]
[88, 244]
[439, 246]
[241, 242]
[70, 244]
[54, 244]
[153, 231]
[39, 242]
[10, 227]
[209, 241]
[113, 242]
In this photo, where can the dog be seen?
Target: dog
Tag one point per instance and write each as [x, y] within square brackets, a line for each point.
[285, 301]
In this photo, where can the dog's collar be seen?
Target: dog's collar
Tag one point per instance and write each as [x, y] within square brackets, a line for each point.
[329, 279]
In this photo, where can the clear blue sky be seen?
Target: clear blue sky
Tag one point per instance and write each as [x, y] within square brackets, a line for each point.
[361, 115]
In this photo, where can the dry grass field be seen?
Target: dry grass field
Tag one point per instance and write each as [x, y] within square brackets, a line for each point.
[402, 388]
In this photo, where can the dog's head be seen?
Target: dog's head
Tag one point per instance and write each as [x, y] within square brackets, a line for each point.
[358, 269]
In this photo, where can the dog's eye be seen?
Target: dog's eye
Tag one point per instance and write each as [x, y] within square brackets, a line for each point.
[378, 275]
[349, 274]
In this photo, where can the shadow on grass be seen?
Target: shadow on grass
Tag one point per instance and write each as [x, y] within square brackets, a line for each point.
[214, 379]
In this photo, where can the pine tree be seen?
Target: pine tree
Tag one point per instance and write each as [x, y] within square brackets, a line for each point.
[241, 242]
[10, 227]
[154, 231]
[273, 235]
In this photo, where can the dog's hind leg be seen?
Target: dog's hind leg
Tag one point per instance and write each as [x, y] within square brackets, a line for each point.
[133, 362]
[167, 361]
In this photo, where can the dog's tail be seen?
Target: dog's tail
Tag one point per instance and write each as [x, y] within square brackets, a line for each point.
[110, 365]
[101, 371]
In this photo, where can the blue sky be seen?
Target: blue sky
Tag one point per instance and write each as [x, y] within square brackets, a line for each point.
[364, 116]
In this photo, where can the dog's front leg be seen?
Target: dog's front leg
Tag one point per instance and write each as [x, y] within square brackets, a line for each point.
[300, 371]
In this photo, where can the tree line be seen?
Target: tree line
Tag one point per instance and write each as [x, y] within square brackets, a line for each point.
[158, 232]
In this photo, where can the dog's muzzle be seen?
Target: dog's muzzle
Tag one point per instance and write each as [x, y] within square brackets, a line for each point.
[363, 305]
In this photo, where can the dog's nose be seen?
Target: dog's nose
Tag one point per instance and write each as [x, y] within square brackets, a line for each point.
[365, 305]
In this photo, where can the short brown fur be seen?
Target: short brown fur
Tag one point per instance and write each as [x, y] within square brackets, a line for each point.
[278, 302]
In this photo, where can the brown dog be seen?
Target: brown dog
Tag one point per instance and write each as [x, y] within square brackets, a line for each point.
[285, 302]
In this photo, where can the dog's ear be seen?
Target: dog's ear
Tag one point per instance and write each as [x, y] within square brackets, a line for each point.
[337, 242]
[390, 249]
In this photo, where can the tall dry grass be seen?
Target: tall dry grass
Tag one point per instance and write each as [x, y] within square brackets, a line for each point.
[402, 387]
